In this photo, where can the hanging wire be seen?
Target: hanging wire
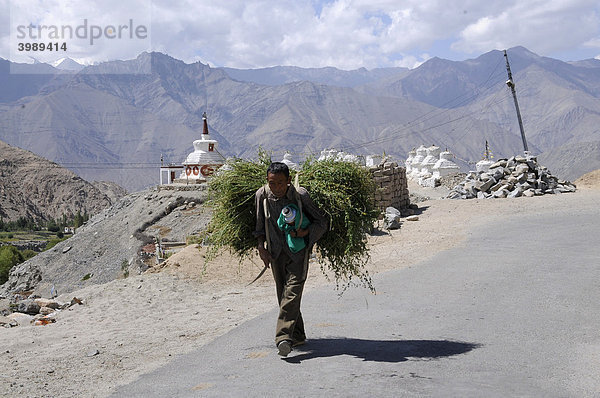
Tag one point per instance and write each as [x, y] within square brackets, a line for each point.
[407, 129]
[404, 131]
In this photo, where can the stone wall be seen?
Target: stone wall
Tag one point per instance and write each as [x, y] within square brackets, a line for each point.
[35, 245]
[392, 186]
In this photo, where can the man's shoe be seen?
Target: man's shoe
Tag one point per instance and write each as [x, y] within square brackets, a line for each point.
[297, 343]
[284, 348]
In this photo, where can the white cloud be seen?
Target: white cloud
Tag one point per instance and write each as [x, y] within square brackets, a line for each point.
[541, 26]
[593, 43]
[92, 31]
[411, 62]
[344, 33]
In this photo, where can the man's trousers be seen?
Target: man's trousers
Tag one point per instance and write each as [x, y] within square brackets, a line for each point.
[289, 277]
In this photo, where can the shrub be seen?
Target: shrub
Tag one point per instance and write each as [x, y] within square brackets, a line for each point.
[53, 242]
[28, 253]
[9, 257]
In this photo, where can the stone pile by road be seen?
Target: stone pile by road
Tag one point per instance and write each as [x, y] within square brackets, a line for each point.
[33, 311]
[514, 177]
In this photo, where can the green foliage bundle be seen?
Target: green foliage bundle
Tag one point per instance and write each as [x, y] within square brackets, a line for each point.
[343, 190]
[231, 197]
[9, 257]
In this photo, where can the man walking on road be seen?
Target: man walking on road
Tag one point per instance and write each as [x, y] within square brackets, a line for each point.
[289, 268]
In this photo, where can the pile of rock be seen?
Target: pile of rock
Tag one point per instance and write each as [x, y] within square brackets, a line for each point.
[514, 177]
[33, 311]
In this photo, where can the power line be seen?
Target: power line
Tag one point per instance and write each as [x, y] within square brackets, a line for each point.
[434, 113]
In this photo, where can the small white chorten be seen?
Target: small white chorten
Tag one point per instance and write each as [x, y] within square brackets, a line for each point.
[373, 160]
[433, 153]
[328, 154]
[445, 166]
[287, 159]
[408, 161]
[483, 165]
[417, 160]
[204, 161]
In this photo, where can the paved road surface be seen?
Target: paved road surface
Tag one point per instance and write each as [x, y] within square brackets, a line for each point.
[514, 312]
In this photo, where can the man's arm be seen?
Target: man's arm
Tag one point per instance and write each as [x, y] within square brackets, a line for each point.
[260, 231]
[264, 254]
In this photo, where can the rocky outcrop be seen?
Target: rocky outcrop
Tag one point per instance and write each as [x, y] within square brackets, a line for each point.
[34, 187]
[514, 177]
[109, 245]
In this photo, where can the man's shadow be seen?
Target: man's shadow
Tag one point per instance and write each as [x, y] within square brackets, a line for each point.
[380, 350]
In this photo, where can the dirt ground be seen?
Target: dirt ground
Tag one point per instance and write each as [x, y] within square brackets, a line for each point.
[132, 326]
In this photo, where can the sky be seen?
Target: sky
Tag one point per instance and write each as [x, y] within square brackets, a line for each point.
[347, 34]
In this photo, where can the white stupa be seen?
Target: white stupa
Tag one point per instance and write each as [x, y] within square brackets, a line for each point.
[328, 154]
[433, 153]
[417, 160]
[483, 165]
[373, 160]
[445, 166]
[204, 161]
[287, 159]
[408, 161]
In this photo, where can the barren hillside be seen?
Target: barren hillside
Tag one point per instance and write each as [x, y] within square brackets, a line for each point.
[34, 187]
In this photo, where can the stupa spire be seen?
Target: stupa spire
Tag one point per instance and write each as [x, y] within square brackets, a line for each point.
[205, 129]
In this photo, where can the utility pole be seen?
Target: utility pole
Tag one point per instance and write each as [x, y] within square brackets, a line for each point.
[510, 83]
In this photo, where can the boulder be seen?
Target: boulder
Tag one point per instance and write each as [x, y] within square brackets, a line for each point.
[522, 168]
[392, 218]
[501, 193]
[20, 318]
[7, 322]
[485, 185]
[46, 310]
[517, 192]
[28, 307]
[42, 302]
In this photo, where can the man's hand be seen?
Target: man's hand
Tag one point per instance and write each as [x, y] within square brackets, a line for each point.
[265, 256]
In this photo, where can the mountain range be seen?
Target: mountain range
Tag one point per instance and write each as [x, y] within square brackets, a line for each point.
[113, 122]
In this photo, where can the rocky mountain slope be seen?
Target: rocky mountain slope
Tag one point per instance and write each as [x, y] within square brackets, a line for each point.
[33, 187]
[570, 160]
[109, 245]
[111, 122]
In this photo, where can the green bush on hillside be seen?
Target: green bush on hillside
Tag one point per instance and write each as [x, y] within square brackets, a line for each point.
[53, 242]
[9, 257]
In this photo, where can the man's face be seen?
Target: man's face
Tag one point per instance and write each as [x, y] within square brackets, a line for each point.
[278, 183]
